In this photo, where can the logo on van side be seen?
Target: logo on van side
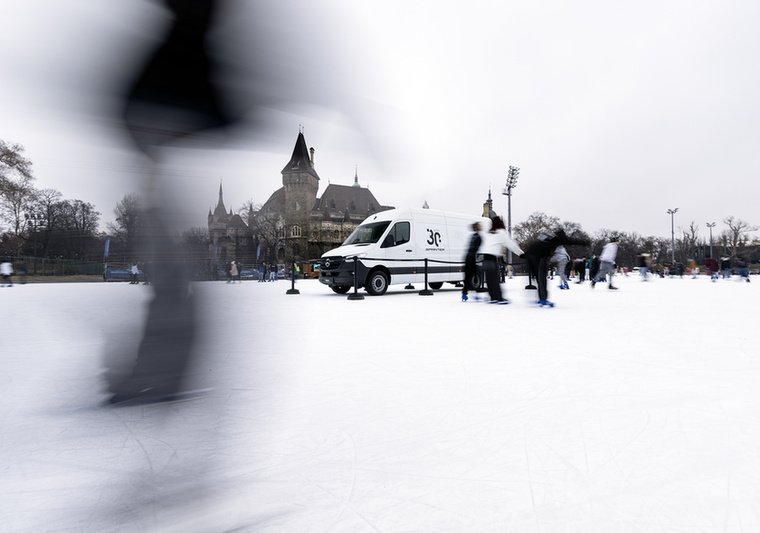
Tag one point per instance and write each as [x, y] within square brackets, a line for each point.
[434, 240]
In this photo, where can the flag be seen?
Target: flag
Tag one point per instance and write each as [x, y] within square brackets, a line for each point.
[108, 246]
[258, 251]
[216, 249]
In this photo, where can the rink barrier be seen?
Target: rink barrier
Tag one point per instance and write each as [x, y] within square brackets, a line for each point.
[424, 292]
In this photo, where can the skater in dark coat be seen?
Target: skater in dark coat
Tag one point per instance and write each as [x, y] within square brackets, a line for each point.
[537, 255]
[470, 261]
[594, 265]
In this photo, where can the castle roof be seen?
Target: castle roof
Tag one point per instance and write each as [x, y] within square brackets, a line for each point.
[237, 222]
[348, 199]
[300, 160]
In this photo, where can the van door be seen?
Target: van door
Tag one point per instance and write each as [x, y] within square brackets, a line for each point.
[398, 247]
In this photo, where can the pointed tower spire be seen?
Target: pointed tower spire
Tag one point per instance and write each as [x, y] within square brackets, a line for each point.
[488, 206]
[356, 177]
[300, 161]
[220, 210]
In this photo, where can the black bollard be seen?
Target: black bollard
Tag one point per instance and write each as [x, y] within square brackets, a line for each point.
[355, 295]
[426, 291]
[292, 289]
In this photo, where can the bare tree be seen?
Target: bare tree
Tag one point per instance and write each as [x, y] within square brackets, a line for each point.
[736, 236]
[48, 206]
[531, 228]
[128, 227]
[266, 228]
[689, 243]
[16, 190]
[248, 211]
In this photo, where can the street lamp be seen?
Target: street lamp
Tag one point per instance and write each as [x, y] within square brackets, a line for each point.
[512, 175]
[672, 212]
[711, 225]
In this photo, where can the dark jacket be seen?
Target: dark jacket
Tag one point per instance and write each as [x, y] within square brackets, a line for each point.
[545, 244]
[472, 251]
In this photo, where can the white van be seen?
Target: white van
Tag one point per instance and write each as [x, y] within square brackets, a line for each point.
[391, 247]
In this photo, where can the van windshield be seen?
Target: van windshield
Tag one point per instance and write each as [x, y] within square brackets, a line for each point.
[367, 233]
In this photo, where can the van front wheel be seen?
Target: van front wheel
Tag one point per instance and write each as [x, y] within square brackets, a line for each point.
[377, 283]
[435, 285]
[340, 289]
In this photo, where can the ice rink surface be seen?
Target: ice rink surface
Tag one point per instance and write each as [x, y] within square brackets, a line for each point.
[617, 411]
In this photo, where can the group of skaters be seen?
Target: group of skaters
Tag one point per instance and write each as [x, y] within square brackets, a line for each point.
[233, 270]
[724, 269]
[547, 248]
[267, 272]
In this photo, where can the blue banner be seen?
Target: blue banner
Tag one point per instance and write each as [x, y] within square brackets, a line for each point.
[258, 251]
[108, 246]
[216, 249]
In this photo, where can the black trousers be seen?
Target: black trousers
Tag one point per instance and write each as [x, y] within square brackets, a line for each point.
[491, 268]
[538, 269]
[470, 270]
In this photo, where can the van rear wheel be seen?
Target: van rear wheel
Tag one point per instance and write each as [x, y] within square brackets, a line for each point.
[377, 283]
[340, 289]
[475, 281]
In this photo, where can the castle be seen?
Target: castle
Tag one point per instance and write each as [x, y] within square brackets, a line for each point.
[293, 224]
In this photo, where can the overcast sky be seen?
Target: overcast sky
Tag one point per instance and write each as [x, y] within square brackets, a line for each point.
[615, 112]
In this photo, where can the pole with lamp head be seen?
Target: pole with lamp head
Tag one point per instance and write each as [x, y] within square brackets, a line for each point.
[672, 212]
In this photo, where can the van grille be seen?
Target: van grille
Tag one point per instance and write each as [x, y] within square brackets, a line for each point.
[331, 263]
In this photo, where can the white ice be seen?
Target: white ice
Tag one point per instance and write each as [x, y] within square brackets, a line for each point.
[634, 410]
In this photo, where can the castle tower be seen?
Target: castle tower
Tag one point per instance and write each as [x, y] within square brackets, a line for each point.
[300, 182]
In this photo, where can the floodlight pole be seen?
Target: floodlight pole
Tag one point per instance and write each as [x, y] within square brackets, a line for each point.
[672, 212]
[34, 217]
[514, 172]
[711, 225]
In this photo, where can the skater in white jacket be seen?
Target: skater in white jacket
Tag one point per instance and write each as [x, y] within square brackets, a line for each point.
[607, 259]
[494, 242]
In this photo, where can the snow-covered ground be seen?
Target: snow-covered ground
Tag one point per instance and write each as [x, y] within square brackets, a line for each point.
[634, 410]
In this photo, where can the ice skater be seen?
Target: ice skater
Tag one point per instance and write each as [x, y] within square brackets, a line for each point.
[561, 258]
[607, 262]
[537, 254]
[645, 265]
[492, 247]
[470, 261]
[234, 272]
[6, 270]
[742, 268]
[712, 268]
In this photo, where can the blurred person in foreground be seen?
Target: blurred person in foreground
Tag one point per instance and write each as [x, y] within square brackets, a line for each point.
[537, 255]
[172, 98]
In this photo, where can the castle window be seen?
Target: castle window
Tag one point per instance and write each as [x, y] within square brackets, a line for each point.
[295, 231]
